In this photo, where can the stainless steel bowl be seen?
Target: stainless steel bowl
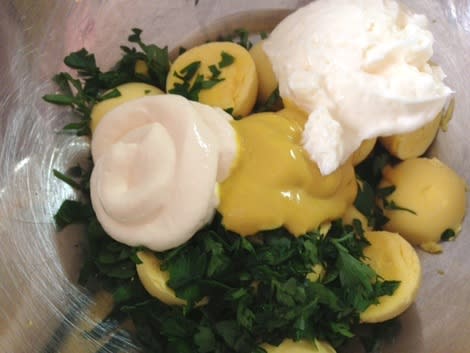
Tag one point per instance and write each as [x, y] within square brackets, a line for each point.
[38, 267]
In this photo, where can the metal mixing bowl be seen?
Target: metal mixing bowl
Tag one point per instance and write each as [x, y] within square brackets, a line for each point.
[39, 299]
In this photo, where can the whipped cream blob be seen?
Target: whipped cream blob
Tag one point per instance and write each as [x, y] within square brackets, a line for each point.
[360, 69]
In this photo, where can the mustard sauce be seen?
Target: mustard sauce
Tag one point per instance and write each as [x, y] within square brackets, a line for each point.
[274, 183]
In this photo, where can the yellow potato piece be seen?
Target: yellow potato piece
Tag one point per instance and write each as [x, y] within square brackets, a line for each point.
[239, 88]
[393, 258]
[303, 346]
[266, 77]
[430, 189]
[154, 279]
[363, 151]
[412, 144]
[353, 213]
[129, 91]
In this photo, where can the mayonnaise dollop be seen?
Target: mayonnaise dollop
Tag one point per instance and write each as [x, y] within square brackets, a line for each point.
[360, 68]
[157, 163]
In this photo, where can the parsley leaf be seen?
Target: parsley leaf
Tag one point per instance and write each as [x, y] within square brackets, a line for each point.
[92, 85]
[226, 60]
[448, 234]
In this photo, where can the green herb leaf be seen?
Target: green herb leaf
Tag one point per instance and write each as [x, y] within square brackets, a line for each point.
[214, 71]
[67, 179]
[273, 103]
[72, 212]
[59, 99]
[226, 60]
[83, 61]
[448, 234]
[205, 340]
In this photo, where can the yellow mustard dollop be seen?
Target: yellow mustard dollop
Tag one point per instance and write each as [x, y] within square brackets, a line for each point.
[274, 183]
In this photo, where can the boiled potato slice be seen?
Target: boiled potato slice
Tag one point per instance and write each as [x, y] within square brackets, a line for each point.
[412, 144]
[393, 258]
[238, 90]
[154, 279]
[433, 191]
[129, 91]
[363, 151]
[266, 77]
[303, 346]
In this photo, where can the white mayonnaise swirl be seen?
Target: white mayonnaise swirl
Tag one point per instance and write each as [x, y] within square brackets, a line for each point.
[360, 68]
[157, 162]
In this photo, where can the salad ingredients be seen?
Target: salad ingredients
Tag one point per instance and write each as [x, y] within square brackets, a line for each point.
[127, 91]
[353, 213]
[140, 205]
[412, 144]
[267, 81]
[217, 291]
[226, 73]
[434, 194]
[277, 183]
[155, 280]
[360, 69]
[290, 346]
[393, 258]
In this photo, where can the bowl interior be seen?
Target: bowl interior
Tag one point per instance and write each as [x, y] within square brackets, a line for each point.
[39, 298]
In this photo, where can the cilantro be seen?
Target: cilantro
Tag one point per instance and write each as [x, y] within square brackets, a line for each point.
[226, 60]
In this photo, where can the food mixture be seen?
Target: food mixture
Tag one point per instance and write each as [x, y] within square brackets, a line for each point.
[263, 198]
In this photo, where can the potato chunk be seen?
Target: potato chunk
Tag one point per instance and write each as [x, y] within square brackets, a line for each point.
[393, 258]
[154, 279]
[412, 144]
[239, 86]
[129, 91]
[266, 77]
[434, 195]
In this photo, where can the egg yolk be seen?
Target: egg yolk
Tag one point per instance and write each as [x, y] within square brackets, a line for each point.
[274, 183]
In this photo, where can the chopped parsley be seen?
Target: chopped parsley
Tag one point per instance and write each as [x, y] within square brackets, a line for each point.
[226, 60]
[448, 234]
[92, 85]
[257, 286]
[193, 82]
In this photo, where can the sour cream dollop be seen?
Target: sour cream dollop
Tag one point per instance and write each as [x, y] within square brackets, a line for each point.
[157, 162]
[360, 68]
